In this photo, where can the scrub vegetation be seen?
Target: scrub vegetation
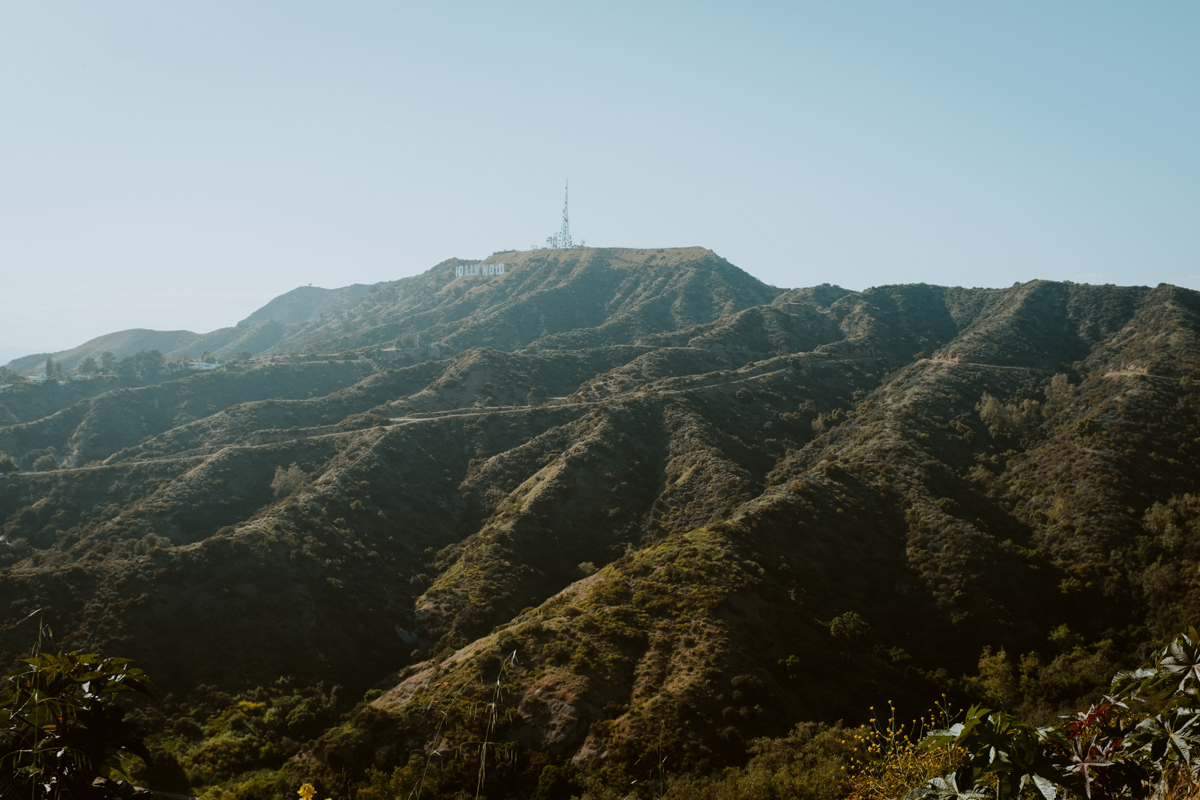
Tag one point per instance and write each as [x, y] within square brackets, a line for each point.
[631, 521]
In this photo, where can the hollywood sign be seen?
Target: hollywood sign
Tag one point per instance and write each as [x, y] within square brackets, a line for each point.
[478, 269]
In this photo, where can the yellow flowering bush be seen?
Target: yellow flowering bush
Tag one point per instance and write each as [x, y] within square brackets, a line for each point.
[889, 760]
[306, 792]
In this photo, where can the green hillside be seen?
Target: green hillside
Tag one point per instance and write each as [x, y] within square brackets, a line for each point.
[546, 298]
[669, 508]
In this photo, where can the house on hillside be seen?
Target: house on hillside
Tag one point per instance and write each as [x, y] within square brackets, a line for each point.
[201, 365]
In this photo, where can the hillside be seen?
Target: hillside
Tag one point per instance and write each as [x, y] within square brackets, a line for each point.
[546, 298]
[306, 302]
[223, 343]
[697, 509]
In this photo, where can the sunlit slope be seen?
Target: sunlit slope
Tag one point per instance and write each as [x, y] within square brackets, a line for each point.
[663, 527]
[586, 297]
[554, 299]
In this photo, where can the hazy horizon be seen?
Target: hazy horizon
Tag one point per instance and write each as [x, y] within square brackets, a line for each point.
[174, 167]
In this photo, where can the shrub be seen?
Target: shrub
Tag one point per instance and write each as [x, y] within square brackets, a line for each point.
[46, 463]
[848, 626]
[62, 732]
[894, 758]
[1013, 419]
[1140, 740]
[1059, 391]
[287, 480]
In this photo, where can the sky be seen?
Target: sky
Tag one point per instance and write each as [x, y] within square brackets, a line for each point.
[177, 165]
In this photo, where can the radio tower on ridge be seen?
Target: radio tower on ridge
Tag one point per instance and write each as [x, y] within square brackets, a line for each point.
[563, 237]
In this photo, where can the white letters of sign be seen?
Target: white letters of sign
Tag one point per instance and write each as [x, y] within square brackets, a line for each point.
[478, 269]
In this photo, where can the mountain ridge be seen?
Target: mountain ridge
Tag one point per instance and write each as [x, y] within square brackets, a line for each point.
[311, 317]
[698, 512]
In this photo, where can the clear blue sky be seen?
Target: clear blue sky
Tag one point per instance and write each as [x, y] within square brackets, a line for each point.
[176, 165]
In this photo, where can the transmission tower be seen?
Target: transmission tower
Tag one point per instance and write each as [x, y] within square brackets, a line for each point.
[563, 237]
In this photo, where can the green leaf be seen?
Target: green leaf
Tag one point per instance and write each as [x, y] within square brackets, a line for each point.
[1044, 785]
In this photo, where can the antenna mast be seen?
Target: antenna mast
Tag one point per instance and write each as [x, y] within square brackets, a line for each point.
[564, 236]
[562, 239]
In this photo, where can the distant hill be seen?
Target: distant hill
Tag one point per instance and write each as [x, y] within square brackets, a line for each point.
[696, 508]
[9, 353]
[304, 303]
[544, 299]
[256, 334]
[584, 296]
[222, 343]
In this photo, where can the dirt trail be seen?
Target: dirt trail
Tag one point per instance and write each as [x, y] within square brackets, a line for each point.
[408, 420]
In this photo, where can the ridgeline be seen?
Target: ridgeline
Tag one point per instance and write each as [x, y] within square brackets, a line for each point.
[670, 508]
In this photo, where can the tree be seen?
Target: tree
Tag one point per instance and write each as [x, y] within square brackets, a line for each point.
[7, 464]
[127, 370]
[287, 480]
[109, 361]
[1013, 419]
[46, 463]
[50, 367]
[1059, 391]
[87, 366]
[141, 367]
[996, 682]
[62, 731]
[848, 626]
[149, 363]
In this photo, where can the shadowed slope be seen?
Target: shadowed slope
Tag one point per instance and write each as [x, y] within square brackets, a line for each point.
[664, 529]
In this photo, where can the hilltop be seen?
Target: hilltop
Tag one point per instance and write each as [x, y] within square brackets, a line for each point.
[547, 298]
[696, 508]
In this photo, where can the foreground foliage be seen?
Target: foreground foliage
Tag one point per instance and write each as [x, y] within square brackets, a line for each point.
[695, 521]
[1141, 740]
[62, 732]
